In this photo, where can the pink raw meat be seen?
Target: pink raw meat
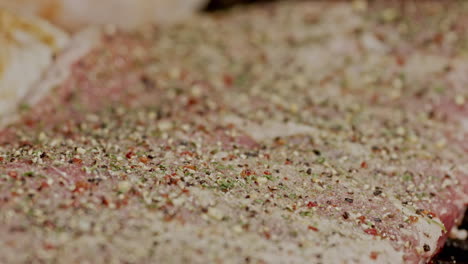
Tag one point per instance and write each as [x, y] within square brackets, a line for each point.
[288, 134]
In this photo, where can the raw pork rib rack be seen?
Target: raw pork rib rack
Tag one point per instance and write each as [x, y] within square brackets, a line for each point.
[296, 133]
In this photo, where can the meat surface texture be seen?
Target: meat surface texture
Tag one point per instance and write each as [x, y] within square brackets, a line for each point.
[74, 15]
[308, 132]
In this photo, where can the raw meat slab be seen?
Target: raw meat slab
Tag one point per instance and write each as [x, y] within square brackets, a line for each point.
[297, 133]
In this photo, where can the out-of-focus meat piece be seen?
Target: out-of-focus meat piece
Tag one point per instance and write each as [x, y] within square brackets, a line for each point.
[27, 47]
[75, 14]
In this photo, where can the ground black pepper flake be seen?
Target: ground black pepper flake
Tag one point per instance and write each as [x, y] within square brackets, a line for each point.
[345, 215]
[377, 192]
[349, 200]
[426, 248]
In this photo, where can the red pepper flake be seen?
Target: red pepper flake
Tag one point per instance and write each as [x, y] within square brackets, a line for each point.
[129, 154]
[43, 186]
[13, 174]
[326, 80]
[1, 159]
[48, 246]
[267, 235]
[288, 162]
[144, 160]
[168, 218]
[187, 153]
[121, 203]
[77, 161]
[228, 80]
[49, 224]
[374, 255]
[438, 38]
[412, 219]
[364, 165]
[371, 231]
[63, 206]
[170, 180]
[313, 228]
[183, 75]
[400, 60]
[30, 122]
[267, 173]
[81, 186]
[362, 219]
[267, 156]
[312, 204]
[192, 101]
[229, 157]
[105, 201]
[247, 172]
[279, 141]
[202, 128]
[425, 212]
[190, 167]
[431, 215]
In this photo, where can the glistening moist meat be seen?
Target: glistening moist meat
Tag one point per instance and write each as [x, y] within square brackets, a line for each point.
[296, 133]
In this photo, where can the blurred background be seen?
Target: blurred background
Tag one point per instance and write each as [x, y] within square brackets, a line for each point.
[214, 5]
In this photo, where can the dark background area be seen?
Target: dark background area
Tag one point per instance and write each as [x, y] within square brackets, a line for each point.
[455, 251]
[215, 5]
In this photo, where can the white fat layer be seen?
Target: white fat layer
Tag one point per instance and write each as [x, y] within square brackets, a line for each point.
[352, 251]
[427, 231]
[349, 244]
